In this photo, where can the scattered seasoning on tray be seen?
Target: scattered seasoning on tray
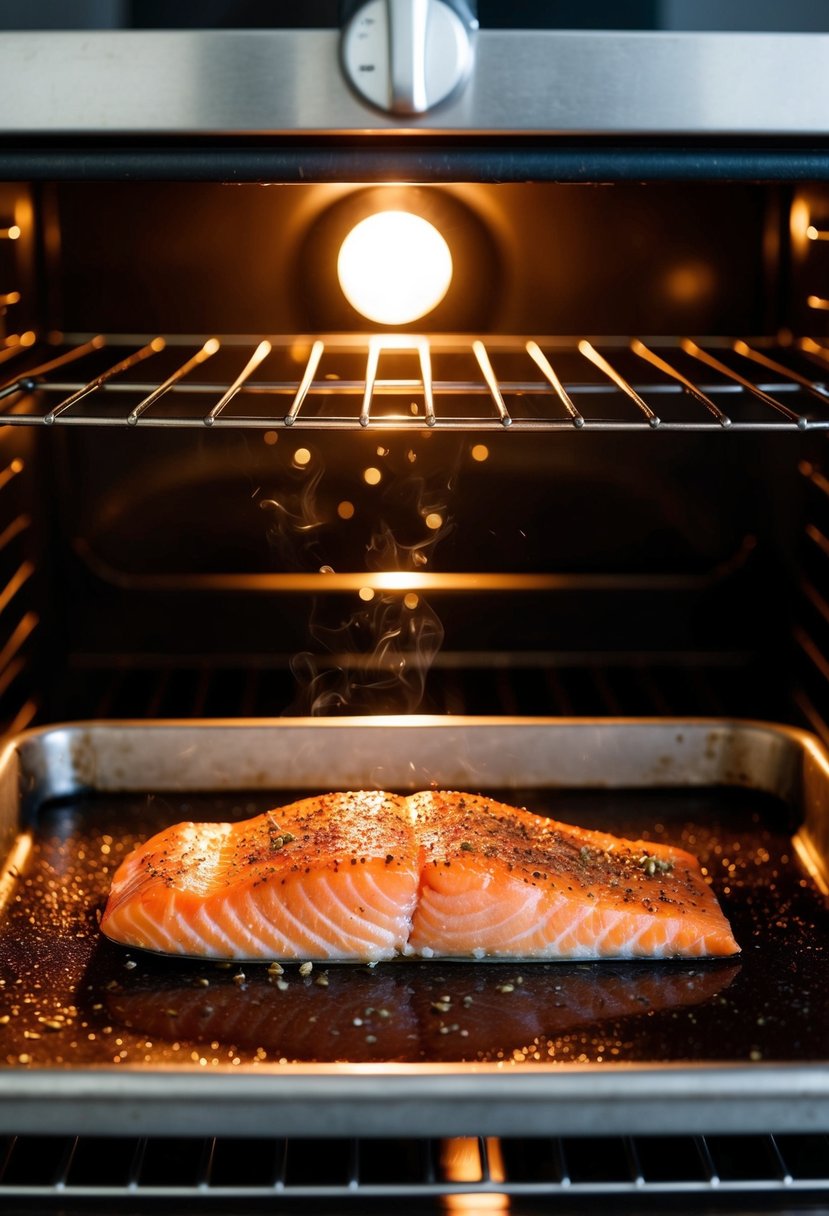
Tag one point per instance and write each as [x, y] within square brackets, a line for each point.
[306, 968]
[52, 1023]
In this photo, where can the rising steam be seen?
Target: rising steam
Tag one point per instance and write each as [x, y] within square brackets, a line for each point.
[375, 656]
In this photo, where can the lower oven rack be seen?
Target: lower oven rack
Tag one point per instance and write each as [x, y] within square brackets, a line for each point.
[207, 1172]
[410, 382]
[416, 1099]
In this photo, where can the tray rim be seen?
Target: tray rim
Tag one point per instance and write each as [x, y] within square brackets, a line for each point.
[428, 1100]
[790, 736]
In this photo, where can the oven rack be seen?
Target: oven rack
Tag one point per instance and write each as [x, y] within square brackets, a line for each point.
[484, 1170]
[443, 381]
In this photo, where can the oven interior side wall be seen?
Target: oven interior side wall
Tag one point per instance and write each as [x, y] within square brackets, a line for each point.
[684, 571]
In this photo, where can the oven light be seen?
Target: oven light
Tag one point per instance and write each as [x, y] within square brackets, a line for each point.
[394, 267]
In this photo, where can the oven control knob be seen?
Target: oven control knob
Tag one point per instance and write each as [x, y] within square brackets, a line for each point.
[407, 56]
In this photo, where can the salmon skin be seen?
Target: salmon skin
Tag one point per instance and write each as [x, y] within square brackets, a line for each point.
[369, 876]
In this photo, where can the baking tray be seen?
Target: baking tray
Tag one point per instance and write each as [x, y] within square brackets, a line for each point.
[97, 1039]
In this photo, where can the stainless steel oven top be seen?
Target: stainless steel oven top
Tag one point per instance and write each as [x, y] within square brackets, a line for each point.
[390, 74]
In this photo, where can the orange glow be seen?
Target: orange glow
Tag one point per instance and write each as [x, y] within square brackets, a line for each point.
[15, 865]
[372, 476]
[366, 594]
[480, 452]
[687, 282]
[799, 224]
[433, 521]
[299, 351]
[811, 860]
[394, 267]
[270, 438]
[10, 471]
[411, 601]
[393, 580]
[460, 1161]
[475, 1204]
[497, 1169]
[10, 234]
[345, 509]
[302, 457]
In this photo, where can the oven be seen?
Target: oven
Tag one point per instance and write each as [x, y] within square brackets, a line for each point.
[411, 400]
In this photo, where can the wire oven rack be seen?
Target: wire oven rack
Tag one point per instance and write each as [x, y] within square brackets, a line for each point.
[691, 1169]
[450, 382]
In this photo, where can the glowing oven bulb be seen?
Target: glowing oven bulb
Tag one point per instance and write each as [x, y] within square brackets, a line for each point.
[394, 267]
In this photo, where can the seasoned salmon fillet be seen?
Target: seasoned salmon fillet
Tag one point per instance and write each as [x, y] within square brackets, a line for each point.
[334, 877]
[499, 881]
[369, 875]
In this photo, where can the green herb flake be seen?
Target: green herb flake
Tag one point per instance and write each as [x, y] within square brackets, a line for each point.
[655, 865]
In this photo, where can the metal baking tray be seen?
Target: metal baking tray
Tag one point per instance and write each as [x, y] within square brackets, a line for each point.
[97, 1039]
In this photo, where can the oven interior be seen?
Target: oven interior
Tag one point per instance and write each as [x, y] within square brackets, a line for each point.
[664, 553]
[607, 566]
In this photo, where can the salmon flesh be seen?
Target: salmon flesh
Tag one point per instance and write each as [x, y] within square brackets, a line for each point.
[369, 876]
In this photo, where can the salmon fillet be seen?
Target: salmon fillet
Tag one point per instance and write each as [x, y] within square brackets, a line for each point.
[499, 881]
[369, 875]
[334, 877]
